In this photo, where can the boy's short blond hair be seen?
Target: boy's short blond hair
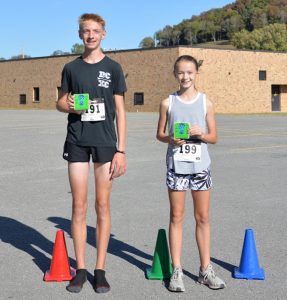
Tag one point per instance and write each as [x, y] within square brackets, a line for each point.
[93, 17]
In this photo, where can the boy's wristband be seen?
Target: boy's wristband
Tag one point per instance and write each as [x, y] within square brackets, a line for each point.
[119, 151]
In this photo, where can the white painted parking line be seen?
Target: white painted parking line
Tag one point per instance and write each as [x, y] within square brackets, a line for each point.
[250, 149]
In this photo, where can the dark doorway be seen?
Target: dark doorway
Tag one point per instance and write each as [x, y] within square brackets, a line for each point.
[275, 100]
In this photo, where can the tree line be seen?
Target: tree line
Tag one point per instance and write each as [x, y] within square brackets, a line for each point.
[246, 24]
[76, 49]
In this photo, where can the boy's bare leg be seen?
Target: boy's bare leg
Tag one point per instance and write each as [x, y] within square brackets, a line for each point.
[78, 176]
[103, 185]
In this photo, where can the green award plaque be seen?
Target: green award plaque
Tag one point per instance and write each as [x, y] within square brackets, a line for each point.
[180, 130]
[81, 101]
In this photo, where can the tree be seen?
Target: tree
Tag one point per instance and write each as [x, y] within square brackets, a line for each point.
[223, 23]
[190, 31]
[272, 37]
[166, 36]
[203, 31]
[259, 19]
[59, 52]
[274, 14]
[175, 34]
[2, 58]
[147, 42]
[20, 56]
[158, 38]
[215, 23]
[247, 8]
[188, 35]
[77, 48]
[240, 39]
[211, 28]
[233, 23]
[275, 37]
[283, 16]
[255, 39]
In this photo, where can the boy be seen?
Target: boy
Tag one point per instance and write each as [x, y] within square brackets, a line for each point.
[91, 133]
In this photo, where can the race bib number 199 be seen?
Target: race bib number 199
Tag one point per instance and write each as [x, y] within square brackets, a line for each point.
[188, 152]
[96, 111]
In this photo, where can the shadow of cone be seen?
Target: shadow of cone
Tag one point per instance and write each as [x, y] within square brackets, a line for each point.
[60, 267]
[161, 266]
[249, 265]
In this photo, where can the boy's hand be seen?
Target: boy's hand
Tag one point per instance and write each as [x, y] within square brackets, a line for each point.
[71, 105]
[118, 165]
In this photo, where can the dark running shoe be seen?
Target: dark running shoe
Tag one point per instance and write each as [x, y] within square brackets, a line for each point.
[100, 283]
[76, 284]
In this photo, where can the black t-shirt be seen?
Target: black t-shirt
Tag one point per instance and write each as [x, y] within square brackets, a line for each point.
[100, 80]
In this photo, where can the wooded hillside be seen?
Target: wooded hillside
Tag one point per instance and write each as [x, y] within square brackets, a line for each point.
[246, 24]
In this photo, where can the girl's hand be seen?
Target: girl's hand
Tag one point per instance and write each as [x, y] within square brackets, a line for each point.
[175, 142]
[195, 130]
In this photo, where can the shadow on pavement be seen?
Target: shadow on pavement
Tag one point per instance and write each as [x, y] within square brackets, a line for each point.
[116, 247]
[29, 240]
[227, 266]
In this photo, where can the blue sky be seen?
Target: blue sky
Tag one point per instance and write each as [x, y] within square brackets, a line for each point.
[38, 28]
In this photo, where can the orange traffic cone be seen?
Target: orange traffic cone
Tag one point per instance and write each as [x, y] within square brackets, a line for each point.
[60, 267]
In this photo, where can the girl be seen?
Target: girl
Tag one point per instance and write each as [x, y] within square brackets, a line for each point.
[188, 167]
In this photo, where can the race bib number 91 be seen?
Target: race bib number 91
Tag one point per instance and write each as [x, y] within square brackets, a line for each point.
[96, 111]
[189, 152]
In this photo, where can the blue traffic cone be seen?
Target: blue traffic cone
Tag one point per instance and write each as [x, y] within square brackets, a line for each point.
[249, 265]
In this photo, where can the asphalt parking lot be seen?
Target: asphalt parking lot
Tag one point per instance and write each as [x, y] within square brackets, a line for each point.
[249, 173]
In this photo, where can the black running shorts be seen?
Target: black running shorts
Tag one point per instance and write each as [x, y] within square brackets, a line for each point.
[75, 153]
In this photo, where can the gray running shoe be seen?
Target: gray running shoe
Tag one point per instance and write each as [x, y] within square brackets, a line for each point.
[176, 282]
[209, 278]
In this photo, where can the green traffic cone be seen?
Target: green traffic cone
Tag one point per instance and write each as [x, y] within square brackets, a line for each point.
[161, 266]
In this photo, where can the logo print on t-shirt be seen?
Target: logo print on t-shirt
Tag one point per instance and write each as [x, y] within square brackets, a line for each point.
[104, 79]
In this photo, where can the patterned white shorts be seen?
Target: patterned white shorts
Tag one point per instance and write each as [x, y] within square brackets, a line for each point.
[181, 182]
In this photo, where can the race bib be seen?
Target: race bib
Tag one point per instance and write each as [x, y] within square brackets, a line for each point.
[96, 111]
[189, 152]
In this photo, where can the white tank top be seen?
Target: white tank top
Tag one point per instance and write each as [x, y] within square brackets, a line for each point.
[193, 112]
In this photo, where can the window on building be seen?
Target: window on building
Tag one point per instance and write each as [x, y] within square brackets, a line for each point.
[262, 75]
[22, 99]
[138, 98]
[36, 94]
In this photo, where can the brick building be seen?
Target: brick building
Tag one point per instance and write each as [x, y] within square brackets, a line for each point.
[236, 81]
